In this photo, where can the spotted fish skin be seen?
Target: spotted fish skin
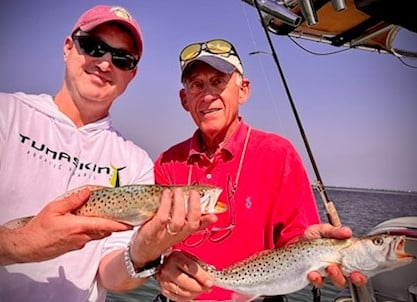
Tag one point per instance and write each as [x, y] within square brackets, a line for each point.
[134, 204]
[283, 271]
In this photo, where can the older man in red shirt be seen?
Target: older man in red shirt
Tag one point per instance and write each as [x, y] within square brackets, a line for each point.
[265, 185]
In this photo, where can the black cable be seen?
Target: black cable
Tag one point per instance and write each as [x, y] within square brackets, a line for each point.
[317, 53]
[406, 64]
[339, 51]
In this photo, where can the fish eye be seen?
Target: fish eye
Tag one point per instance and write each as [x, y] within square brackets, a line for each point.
[378, 241]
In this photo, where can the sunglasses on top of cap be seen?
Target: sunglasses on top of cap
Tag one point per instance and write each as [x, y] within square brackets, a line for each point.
[216, 46]
[94, 47]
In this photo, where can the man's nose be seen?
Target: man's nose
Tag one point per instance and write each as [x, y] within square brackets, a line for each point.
[105, 61]
[210, 90]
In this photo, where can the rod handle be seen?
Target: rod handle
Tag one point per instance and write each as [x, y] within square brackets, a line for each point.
[332, 215]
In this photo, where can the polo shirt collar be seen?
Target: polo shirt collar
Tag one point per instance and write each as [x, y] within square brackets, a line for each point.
[231, 148]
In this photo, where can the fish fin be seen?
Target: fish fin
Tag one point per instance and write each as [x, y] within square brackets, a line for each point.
[239, 297]
[75, 190]
[18, 222]
[321, 269]
[135, 220]
[129, 223]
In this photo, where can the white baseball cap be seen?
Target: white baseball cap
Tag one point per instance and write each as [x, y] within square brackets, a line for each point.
[218, 53]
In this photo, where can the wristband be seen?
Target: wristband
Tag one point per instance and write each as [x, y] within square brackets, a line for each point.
[148, 270]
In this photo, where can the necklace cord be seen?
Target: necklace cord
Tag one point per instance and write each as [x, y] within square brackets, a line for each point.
[239, 169]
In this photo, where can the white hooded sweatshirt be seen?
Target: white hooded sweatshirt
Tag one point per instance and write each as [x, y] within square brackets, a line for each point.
[42, 156]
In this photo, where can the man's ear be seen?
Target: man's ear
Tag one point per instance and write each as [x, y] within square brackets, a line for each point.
[68, 44]
[134, 71]
[244, 91]
[183, 98]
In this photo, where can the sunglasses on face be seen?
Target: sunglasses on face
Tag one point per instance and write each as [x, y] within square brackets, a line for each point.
[94, 47]
[217, 46]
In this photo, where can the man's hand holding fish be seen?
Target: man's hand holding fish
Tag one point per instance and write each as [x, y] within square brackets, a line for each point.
[177, 217]
[333, 271]
[54, 231]
[165, 216]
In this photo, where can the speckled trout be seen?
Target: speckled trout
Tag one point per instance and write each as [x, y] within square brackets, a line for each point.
[134, 204]
[284, 270]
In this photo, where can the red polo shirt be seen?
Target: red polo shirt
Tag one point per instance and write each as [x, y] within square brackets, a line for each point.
[271, 206]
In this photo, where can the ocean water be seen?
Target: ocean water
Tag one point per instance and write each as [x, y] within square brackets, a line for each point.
[360, 209]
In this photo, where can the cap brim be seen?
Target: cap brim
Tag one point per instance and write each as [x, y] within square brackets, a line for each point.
[215, 62]
[136, 35]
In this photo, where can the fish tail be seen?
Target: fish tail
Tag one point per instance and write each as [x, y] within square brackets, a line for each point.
[18, 222]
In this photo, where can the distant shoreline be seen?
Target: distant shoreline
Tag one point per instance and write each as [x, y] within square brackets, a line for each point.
[334, 188]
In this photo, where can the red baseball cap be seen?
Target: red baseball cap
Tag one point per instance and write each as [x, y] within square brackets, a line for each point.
[104, 13]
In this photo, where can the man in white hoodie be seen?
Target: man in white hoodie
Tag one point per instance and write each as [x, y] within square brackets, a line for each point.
[52, 144]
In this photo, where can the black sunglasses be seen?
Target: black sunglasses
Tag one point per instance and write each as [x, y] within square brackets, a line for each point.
[96, 48]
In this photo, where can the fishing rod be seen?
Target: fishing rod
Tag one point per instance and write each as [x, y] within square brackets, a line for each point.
[331, 212]
[358, 294]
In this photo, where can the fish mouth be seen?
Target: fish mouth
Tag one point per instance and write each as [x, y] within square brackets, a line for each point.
[220, 207]
[211, 205]
[399, 249]
[217, 208]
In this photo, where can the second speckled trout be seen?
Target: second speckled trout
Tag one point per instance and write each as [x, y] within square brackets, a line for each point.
[283, 271]
[134, 204]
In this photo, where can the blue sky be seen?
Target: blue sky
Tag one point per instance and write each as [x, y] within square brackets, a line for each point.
[358, 108]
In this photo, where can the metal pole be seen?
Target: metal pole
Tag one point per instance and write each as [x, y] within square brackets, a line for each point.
[331, 211]
[329, 206]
